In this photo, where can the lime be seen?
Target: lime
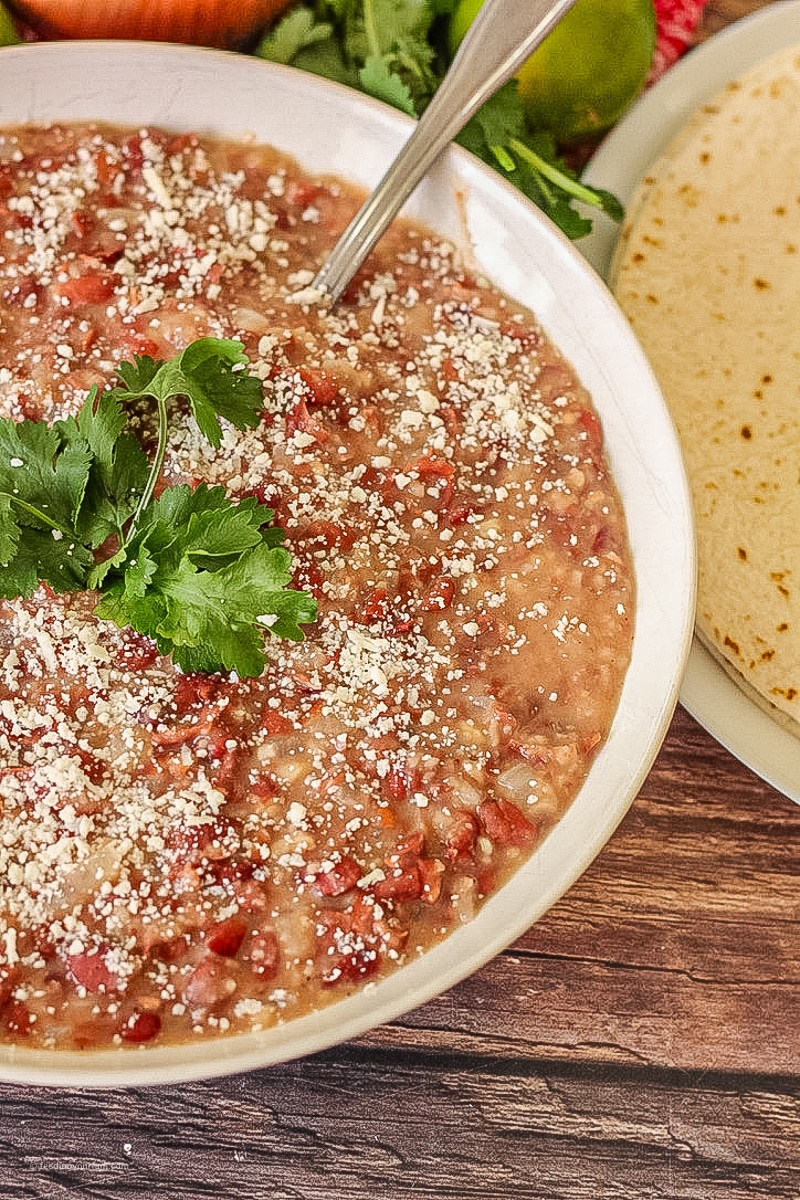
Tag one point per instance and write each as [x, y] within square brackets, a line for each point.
[8, 30]
[587, 71]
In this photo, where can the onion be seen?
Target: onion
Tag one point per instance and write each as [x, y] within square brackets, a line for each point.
[200, 22]
[517, 781]
[465, 793]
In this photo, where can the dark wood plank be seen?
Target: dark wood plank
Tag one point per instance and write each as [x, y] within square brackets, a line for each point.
[719, 13]
[346, 1126]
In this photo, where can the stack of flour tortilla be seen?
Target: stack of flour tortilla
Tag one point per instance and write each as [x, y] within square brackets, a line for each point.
[708, 272]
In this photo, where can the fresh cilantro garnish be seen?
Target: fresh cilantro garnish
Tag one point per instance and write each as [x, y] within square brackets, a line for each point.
[393, 50]
[202, 575]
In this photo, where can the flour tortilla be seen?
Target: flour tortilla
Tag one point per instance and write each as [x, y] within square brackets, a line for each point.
[708, 272]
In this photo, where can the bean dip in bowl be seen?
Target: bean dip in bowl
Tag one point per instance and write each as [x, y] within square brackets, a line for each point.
[211, 864]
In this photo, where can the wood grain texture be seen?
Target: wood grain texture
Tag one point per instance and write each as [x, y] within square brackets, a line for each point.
[719, 13]
[350, 1125]
[639, 1043]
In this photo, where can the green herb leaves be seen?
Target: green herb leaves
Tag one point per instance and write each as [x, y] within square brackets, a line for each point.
[210, 374]
[205, 578]
[202, 575]
[393, 50]
[43, 479]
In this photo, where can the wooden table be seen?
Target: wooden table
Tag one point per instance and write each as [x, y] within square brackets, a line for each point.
[642, 1042]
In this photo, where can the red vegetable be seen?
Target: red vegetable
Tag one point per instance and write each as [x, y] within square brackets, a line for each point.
[200, 22]
[676, 22]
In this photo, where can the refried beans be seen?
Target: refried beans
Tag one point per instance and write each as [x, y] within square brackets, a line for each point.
[184, 856]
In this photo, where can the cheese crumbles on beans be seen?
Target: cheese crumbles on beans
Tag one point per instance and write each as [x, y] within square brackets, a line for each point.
[185, 856]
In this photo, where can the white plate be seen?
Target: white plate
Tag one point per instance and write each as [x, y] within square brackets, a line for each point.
[331, 129]
[707, 691]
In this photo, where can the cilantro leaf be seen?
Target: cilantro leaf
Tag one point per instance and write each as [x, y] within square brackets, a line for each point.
[298, 30]
[10, 531]
[199, 577]
[118, 471]
[498, 134]
[43, 478]
[207, 578]
[206, 374]
[100, 423]
[45, 556]
[44, 475]
[380, 47]
[378, 80]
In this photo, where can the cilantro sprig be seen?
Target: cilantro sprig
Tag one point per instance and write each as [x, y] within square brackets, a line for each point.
[394, 51]
[206, 577]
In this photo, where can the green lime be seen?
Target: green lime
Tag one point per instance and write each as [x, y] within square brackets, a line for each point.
[587, 71]
[8, 30]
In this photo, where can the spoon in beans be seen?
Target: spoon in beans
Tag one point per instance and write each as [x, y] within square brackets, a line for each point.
[503, 35]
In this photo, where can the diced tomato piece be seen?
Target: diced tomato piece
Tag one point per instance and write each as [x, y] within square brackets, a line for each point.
[141, 1027]
[192, 843]
[431, 871]
[401, 782]
[21, 291]
[462, 835]
[194, 690]
[322, 387]
[217, 747]
[300, 420]
[403, 879]
[133, 153]
[275, 723]
[229, 871]
[208, 984]
[94, 288]
[328, 534]
[439, 594]
[131, 341]
[226, 937]
[590, 424]
[170, 951]
[302, 193]
[374, 606]
[307, 577]
[413, 842]
[264, 952]
[342, 877]
[89, 969]
[138, 651]
[506, 825]
[263, 493]
[15, 1017]
[433, 465]
[94, 768]
[355, 967]
[459, 512]
[449, 371]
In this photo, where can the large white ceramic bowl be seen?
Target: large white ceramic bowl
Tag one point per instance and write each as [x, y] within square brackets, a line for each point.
[334, 130]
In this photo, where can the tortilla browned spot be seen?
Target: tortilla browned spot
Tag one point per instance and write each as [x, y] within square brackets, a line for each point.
[708, 272]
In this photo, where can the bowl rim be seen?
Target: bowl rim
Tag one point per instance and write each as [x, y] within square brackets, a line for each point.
[54, 80]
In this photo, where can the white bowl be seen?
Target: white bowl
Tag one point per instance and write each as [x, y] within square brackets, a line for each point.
[332, 129]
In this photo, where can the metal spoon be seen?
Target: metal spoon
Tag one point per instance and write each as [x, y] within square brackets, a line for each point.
[503, 35]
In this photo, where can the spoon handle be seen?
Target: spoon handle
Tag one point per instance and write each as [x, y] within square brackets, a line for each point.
[503, 35]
